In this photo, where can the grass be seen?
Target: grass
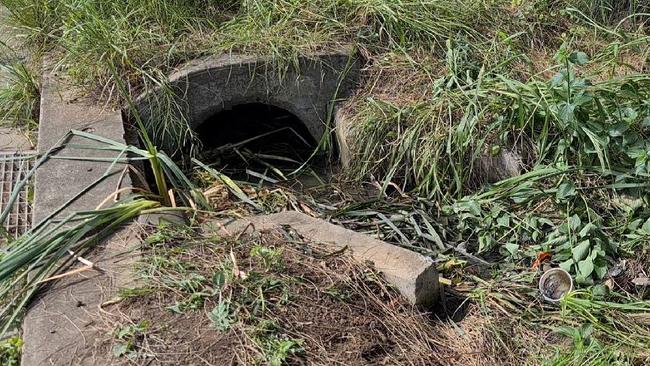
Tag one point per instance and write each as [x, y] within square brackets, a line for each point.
[495, 134]
[96, 48]
[19, 96]
[190, 275]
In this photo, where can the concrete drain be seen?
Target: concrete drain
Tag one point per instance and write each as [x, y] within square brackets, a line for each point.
[14, 167]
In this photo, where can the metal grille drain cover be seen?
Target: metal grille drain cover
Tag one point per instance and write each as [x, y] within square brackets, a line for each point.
[14, 167]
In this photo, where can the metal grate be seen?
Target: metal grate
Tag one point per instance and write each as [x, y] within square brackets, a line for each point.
[14, 167]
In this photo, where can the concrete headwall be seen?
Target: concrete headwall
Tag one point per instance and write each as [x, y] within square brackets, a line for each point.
[210, 85]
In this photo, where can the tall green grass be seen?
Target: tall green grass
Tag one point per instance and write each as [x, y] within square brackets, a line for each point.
[142, 40]
[435, 145]
[19, 95]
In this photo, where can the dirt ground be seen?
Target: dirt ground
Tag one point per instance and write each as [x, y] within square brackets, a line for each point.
[287, 303]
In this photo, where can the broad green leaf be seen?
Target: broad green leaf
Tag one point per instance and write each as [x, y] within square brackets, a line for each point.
[600, 271]
[646, 227]
[586, 267]
[565, 190]
[583, 99]
[512, 248]
[581, 251]
[566, 114]
[587, 230]
[579, 58]
[504, 221]
[574, 222]
[566, 265]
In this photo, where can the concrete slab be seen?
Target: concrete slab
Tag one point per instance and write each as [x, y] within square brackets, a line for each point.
[59, 323]
[62, 323]
[413, 274]
[58, 180]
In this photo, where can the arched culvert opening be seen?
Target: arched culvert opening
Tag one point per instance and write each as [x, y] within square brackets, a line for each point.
[255, 141]
[207, 95]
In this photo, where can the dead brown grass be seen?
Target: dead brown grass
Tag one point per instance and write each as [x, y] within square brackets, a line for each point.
[485, 339]
[342, 310]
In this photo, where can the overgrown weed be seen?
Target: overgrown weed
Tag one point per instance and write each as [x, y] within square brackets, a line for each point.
[19, 96]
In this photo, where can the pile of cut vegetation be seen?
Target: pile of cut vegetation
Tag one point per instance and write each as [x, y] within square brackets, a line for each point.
[262, 298]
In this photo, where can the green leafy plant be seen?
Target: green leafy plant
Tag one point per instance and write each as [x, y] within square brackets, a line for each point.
[582, 249]
[272, 257]
[221, 316]
[128, 338]
[277, 350]
[10, 351]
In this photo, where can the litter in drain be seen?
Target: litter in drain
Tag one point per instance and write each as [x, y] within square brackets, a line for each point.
[14, 167]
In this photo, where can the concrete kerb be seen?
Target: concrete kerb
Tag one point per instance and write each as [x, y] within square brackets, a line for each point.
[413, 274]
[61, 320]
